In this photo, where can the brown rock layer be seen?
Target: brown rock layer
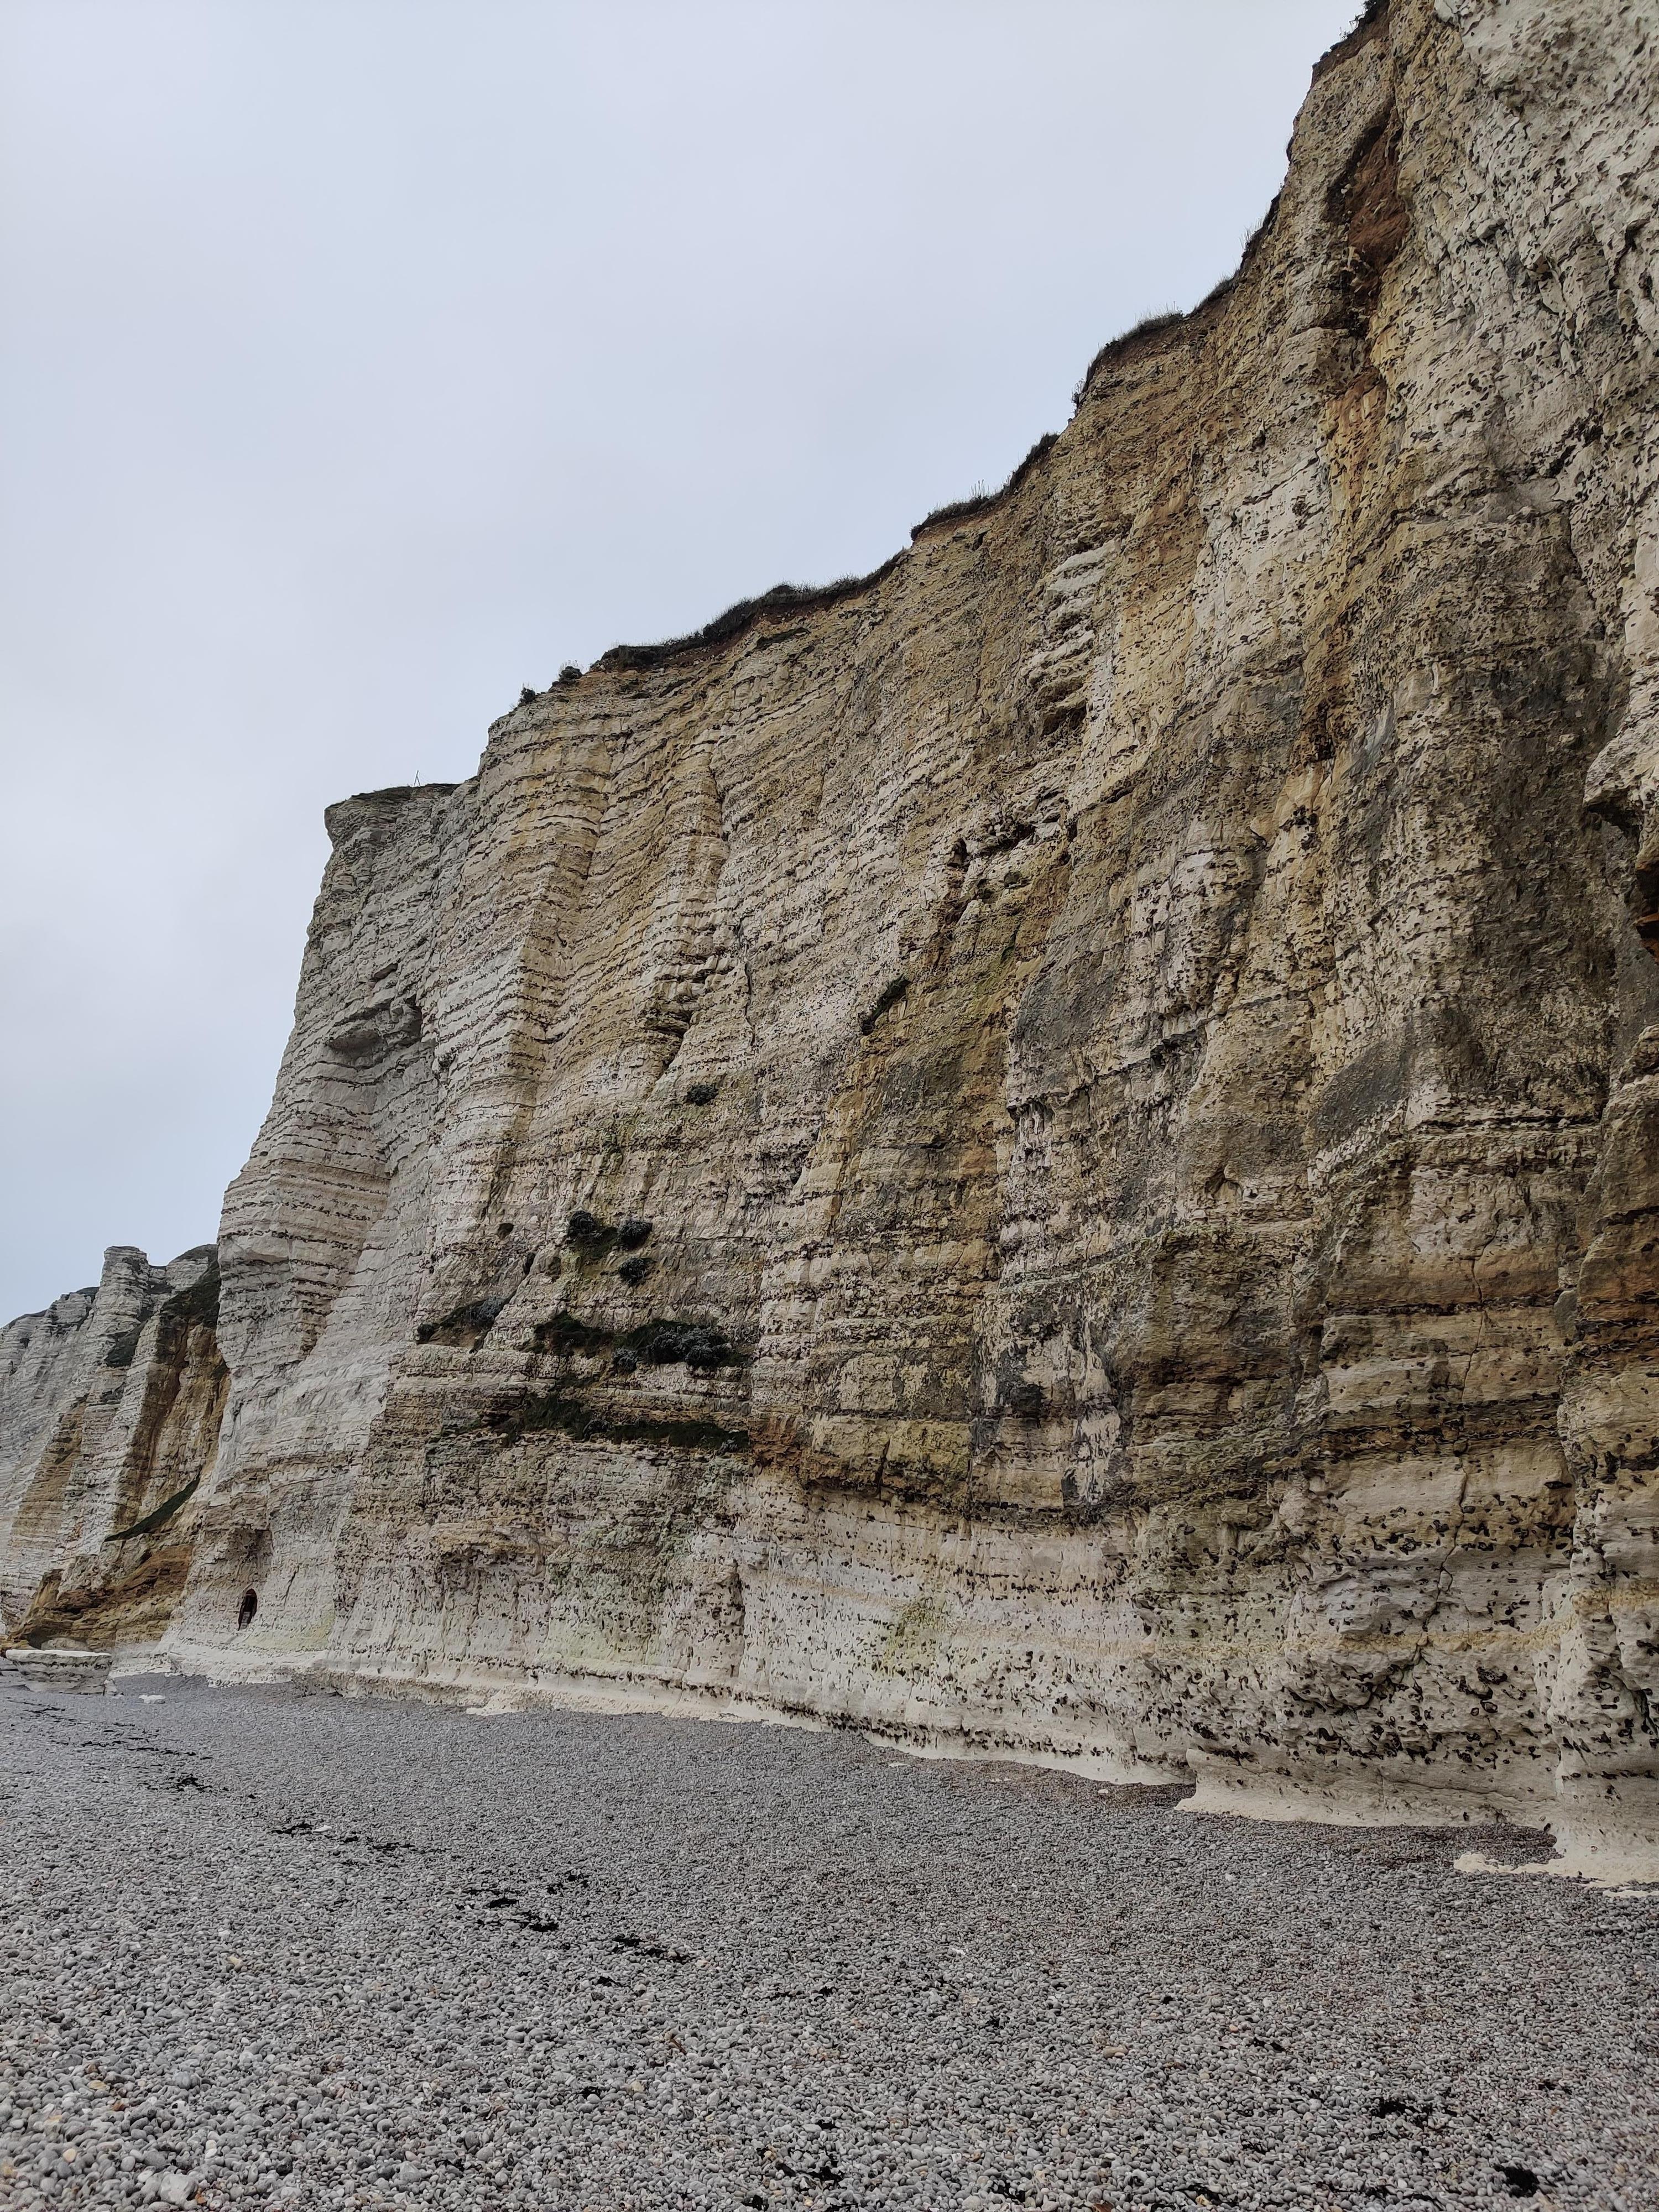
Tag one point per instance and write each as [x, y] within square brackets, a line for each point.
[109, 1406]
[1058, 1150]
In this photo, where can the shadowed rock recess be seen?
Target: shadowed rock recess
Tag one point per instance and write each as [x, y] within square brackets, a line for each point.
[1053, 1151]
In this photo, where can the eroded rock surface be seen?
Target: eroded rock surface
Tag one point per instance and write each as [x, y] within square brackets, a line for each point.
[1058, 1150]
[109, 1406]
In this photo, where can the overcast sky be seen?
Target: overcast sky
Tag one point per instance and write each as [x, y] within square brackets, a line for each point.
[363, 360]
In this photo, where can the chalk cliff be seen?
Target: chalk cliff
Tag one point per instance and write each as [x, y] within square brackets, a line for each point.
[110, 1406]
[1056, 1150]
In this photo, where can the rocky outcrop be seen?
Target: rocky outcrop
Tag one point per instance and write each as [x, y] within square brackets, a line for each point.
[1053, 1151]
[110, 1406]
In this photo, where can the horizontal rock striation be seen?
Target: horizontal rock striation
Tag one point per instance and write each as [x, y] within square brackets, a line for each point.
[1056, 1151]
[109, 1406]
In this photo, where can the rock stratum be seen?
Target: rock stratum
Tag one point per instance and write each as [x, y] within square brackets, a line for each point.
[1055, 1151]
[110, 1408]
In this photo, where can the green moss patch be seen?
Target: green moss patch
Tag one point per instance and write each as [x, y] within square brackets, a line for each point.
[567, 1415]
[703, 1346]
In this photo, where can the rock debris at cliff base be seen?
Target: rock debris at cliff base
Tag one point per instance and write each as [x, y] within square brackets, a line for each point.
[314, 1951]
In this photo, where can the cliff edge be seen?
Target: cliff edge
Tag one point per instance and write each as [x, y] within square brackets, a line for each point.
[1055, 1151]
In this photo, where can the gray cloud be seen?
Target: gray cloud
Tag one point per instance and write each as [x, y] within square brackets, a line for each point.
[366, 359]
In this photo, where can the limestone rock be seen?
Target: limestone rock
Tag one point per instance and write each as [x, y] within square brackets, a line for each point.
[62, 1667]
[109, 1406]
[1055, 1151]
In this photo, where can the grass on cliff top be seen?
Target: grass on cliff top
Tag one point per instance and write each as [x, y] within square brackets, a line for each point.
[792, 598]
[782, 599]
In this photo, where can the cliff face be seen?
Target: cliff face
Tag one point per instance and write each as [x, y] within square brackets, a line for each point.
[109, 1406]
[1058, 1150]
